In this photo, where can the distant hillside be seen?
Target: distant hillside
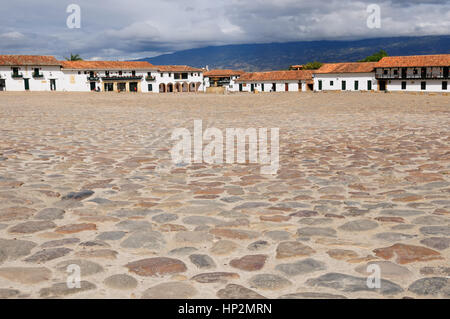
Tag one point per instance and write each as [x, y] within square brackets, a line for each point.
[277, 56]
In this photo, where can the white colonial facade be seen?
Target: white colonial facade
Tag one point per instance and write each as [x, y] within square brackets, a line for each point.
[108, 76]
[276, 81]
[414, 73]
[345, 82]
[178, 78]
[429, 73]
[358, 76]
[30, 73]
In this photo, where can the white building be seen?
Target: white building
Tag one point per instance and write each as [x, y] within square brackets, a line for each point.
[109, 76]
[222, 78]
[356, 76]
[178, 78]
[30, 73]
[130, 76]
[276, 81]
[421, 73]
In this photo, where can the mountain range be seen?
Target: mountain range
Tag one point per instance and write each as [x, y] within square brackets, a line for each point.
[279, 56]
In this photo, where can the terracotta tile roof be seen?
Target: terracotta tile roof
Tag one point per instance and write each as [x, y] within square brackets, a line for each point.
[351, 67]
[107, 65]
[177, 68]
[31, 60]
[414, 61]
[223, 73]
[277, 76]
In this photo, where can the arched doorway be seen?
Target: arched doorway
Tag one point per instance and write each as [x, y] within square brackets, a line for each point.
[177, 87]
[197, 85]
[169, 88]
[192, 87]
[162, 88]
[185, 87]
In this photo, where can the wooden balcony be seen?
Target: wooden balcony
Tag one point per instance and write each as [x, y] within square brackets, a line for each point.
[150, 78]
[411, 77]
[93, 78]
[122, 78]
[17, 76]
[38, 75]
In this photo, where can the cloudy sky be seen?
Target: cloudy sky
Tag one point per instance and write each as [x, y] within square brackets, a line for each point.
[128, 29]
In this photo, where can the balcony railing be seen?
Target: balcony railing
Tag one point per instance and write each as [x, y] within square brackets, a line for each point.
[411, 77]
[150, 78]
[93, 78]
[17, 75]
[36, 75]
[120, 77]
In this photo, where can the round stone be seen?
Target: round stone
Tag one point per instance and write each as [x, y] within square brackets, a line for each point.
[170, 290]
[157, 266]
[121, 281]
[269, 282]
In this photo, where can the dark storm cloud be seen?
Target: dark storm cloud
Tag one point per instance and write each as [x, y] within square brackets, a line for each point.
[138, 28]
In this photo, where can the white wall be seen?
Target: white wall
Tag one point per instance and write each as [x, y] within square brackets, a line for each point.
[36, 84]
[77, 80]
[293, 86]
[415, 85]
[349, 78]
[168, 77]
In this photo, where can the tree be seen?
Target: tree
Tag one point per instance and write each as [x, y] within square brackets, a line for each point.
[74, 57]
[312, 65]
[375, 57]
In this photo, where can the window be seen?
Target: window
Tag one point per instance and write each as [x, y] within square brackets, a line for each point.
[149, 73]
[356, 85]
[444, 85]
[133, 73]
[15, 71]
[150, 87]
[320, 85]
[192, 74]
[369, 85]
[120, 72]
[423, 86]
[79, 72]
[107, 73]
[395, 72]
[162, 74]
[121, 87]
[385, 72]
[331, 83]
[109, 87]
[415, 72]
[403, 85]
[170, 74]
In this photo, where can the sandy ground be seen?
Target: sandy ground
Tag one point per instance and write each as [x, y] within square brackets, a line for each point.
[87, 179]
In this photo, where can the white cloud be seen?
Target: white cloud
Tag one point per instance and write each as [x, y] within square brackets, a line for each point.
[138, 28]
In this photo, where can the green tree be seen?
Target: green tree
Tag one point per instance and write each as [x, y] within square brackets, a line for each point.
[375, 57]
[312, 65]
[74, 57]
